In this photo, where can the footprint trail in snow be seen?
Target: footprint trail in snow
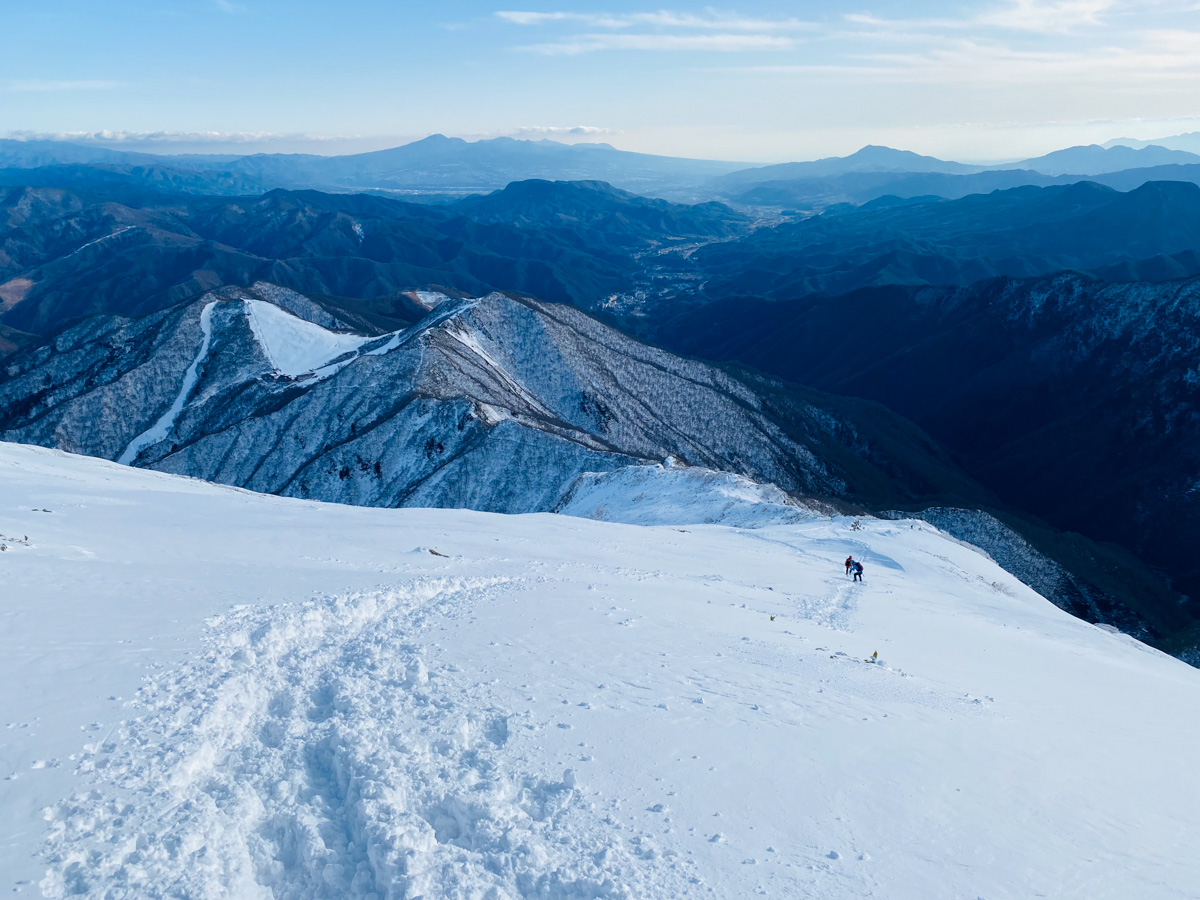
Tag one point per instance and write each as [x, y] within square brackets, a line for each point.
[312, 753]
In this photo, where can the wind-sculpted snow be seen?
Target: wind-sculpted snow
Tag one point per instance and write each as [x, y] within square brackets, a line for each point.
[497, 404]
[297, 304]
[671, 495]
[310, 752]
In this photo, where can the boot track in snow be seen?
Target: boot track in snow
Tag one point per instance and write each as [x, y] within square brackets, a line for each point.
[311, 753]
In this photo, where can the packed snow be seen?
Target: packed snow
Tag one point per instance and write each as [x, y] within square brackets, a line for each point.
[296, 347]
[214, 693]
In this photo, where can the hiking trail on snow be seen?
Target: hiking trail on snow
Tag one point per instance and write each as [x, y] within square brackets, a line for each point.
[311, 752]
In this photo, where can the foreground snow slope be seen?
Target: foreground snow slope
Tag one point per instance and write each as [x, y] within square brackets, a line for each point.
[556, 707]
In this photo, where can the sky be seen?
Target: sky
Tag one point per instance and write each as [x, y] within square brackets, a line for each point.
[753, 81]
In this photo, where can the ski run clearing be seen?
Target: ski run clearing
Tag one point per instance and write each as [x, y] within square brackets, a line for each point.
[216, 694]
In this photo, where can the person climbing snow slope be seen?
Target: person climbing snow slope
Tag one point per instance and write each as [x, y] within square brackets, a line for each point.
[858, 570]
[849, 564]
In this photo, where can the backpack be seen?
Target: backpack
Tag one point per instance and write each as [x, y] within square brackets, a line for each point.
[858, 568]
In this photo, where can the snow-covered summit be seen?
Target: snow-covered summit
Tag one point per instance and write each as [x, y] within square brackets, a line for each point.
[224, 694]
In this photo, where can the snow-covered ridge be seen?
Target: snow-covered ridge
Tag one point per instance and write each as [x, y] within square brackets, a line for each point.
[471, 341]
[430, 299]
[324, 700]
[496, 403]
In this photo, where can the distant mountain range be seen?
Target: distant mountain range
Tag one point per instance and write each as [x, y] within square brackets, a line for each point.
[1189, 142]
[1151, 233]
[1097, 160]
[65, 254]
[436, 164]
[883, 188]
[877, 172]
[868, 159]
[451, 167]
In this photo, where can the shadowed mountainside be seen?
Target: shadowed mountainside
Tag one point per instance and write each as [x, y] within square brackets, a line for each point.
[65, 254]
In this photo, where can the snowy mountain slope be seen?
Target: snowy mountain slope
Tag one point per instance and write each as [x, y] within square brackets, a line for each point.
[1018, 557]
[227, 694]
[1074, 399]
[495, 404]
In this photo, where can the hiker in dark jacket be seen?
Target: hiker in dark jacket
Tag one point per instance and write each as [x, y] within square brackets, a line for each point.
[849, 564]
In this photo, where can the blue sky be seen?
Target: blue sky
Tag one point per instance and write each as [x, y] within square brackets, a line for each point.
[756, 81]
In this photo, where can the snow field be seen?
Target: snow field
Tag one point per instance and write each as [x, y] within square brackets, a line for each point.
[345, 702]
[296, 347]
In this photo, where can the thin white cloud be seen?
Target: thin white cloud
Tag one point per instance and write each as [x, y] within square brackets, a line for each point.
[168, 137]
[1032, 16]
[1148, 57]
[719, 43]
[560, 131]
[38, 85]
[590, 20]
[1047, 17]
[228, 6]
[664, 30]
[710, 21]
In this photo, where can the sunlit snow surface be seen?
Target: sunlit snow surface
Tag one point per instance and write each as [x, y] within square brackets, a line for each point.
[213, 693]
[294, 346]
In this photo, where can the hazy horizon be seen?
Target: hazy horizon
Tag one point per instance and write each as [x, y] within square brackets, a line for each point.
[215, 145]
[757, 82]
